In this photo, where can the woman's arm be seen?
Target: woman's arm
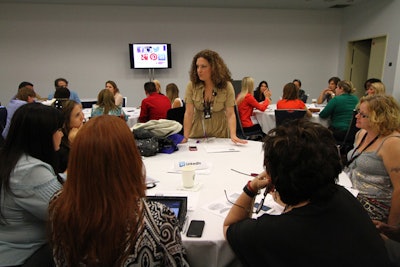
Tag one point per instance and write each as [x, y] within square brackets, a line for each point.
[244, 204]
[321, 97]
[118, 99]
[390, 153]
[187, 121]
[231, 119]
[177, 103]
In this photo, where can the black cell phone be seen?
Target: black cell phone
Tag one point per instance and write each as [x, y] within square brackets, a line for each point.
[195, 228]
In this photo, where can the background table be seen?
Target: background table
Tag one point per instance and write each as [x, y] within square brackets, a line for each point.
[133, 114]
[211, 249]
[266, 119]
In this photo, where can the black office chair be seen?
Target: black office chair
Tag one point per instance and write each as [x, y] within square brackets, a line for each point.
[3, 121]
[348, 142]
[177, 114]
[253, 135]
[283, 115]
[88, 104]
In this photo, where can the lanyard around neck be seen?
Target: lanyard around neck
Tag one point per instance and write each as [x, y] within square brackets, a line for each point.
[354, 157]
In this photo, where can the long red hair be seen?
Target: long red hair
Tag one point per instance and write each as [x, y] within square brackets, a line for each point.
[96, 217]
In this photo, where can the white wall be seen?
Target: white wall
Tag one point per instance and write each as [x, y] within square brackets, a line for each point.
[89, 45]
[376, 18]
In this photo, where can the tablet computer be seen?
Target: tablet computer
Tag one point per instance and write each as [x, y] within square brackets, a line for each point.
[177, 204]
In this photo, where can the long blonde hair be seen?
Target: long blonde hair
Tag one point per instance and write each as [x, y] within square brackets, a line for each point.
[247, 88]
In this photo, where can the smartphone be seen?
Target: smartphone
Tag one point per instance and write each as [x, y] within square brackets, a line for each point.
[192, 148]
[195, 228]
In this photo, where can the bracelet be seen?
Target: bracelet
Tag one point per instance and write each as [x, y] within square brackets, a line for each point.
[249, 191]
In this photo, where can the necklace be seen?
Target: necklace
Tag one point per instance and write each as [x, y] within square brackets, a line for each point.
[354, 157]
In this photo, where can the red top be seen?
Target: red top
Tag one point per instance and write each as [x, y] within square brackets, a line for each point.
[154, 107]
[290, 104]
[246, 109]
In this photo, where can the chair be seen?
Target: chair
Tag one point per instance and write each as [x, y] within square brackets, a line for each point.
[3, 118]
[253, 135]
[124, 101]
[282, 115]
[348, 142]
[177, 114]
[88, 104]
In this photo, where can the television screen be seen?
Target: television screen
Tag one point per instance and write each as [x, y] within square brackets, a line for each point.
[150, 56]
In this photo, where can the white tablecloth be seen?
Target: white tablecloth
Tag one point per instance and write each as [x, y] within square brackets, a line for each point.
[132, 112]
[266, 119]
[211, 249]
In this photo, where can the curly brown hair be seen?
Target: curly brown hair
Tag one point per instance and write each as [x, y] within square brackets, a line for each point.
[220, 74]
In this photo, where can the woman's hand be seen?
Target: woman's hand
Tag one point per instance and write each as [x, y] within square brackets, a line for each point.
[267, 94]
[184, 140]
[261, 181]
[237, 140]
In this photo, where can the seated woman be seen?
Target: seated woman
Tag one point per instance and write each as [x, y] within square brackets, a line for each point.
[112, 86]
[27, 182]
[374, 162]
[377, 88]
[246, 103]
[172, 93]
[340, 110]
[290, 99]
[106, 105]
[302, 94]
[328, 93]
[259, 92]
[114, 224]
[74, 119]
[322, 223]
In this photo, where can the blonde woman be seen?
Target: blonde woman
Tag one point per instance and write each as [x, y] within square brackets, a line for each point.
[377, 88]
[112, 87]
[246, 103]
[172, 92]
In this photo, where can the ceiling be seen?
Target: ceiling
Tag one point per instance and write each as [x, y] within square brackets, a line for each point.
[268, 4]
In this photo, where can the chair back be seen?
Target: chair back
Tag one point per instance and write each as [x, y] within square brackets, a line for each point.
[177, 114]
[124, 101]
[3, 118]
[239, 128]
[282, 115]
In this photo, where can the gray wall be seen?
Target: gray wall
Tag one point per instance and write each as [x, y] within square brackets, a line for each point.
[89, 45]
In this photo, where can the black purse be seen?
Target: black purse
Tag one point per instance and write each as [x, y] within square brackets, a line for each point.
[146, 142]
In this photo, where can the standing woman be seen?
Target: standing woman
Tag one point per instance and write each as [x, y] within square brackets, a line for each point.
[74, 119]
[101, 217]
[374, 166]
[247, 103]
[112, 86]
[106, 105]
[172, 92]
[27, 182]
[210, 99]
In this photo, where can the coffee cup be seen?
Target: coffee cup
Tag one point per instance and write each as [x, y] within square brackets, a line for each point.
[188, 175]
[314, 101]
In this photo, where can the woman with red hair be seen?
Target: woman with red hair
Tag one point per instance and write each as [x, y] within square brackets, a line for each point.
[101, 217]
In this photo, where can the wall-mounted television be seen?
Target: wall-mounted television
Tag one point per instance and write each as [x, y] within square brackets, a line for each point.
[150, 55]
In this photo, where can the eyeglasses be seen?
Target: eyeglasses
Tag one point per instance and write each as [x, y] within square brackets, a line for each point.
[362, 115]
[259, 206]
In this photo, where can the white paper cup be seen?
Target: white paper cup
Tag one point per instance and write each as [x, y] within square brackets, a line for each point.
[188, 174]
[314, 101]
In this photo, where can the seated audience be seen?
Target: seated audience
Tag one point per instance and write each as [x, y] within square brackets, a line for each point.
[27, 182]
[374, 162]
[25, 95]
[376, 88]
[114, 225]
[302, 94]
[322, 223]
[259, 92]
[106, 105]
[290, 99]
[172, 93]
[74, 119]
[328, 93]
[30, 86]
[155, 105]
[247, 103]
[112, 86]
[61, 82]
[340, 109]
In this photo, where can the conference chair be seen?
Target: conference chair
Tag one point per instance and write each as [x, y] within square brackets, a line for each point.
[347, 143]
[253, 135]
[124, 101]
[3, 118]
[282, 115]
[177, 114]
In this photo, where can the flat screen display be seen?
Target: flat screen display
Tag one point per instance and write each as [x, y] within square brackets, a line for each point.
[150, 56]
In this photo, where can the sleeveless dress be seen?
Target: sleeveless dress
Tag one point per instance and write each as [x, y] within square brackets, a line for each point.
[369, 176]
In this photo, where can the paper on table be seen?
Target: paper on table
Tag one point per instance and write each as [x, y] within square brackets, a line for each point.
[220, 148]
